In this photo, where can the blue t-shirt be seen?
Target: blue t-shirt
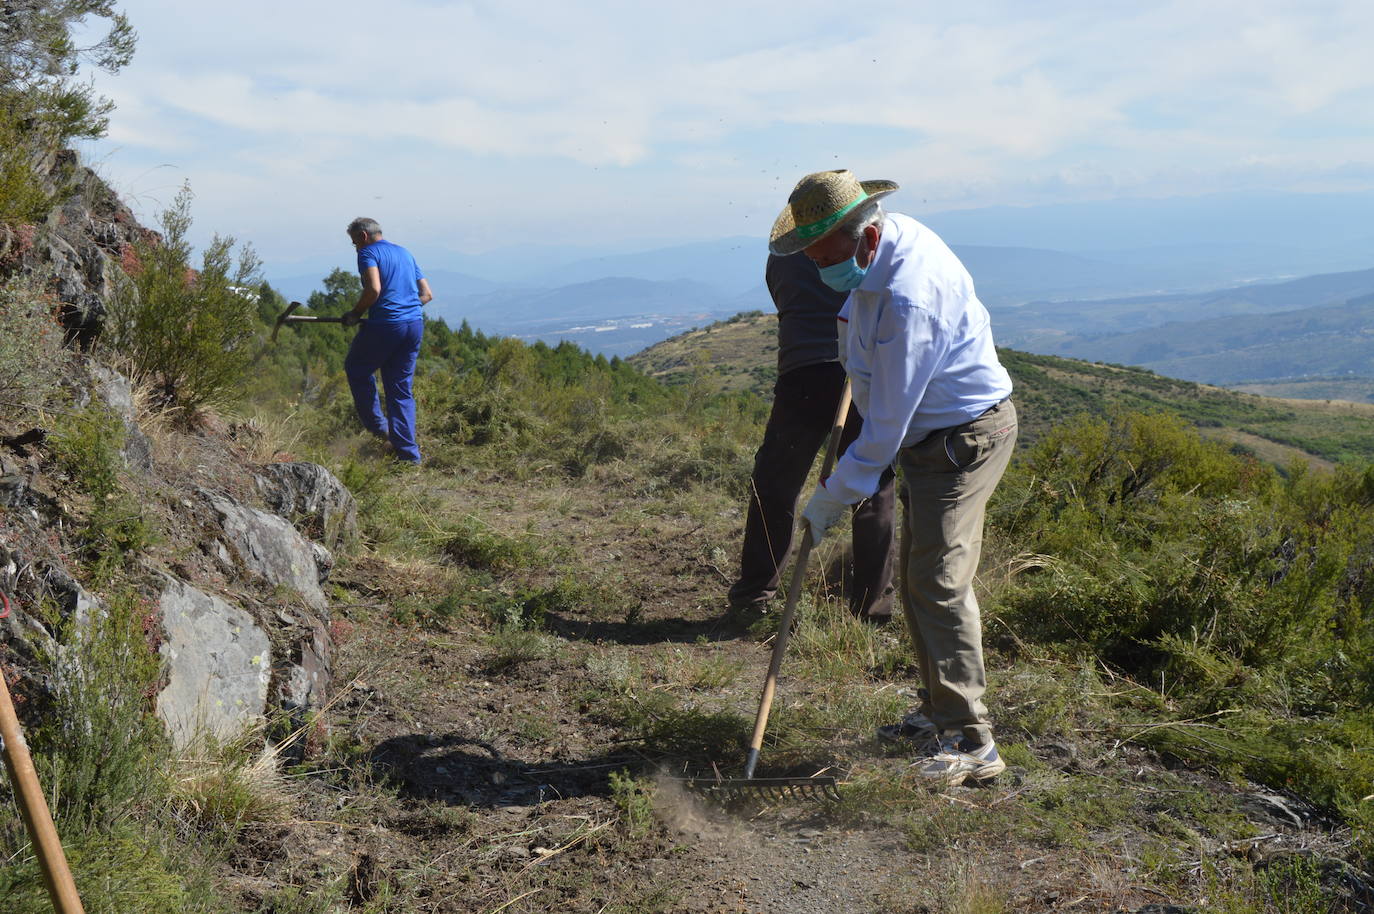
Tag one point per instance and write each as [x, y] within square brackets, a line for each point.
[400, 299]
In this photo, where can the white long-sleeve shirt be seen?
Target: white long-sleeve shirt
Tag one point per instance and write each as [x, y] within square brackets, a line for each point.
[917, 344]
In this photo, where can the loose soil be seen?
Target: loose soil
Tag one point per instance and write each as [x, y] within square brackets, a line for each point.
[453, 774]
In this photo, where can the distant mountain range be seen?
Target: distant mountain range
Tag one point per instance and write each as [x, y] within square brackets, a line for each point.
[1315, 327]
[1058, 279]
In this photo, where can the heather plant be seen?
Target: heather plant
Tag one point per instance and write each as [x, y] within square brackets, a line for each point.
[86, 448]
[187, 331]
[31, 355]
[99, 751]
[1244, 593]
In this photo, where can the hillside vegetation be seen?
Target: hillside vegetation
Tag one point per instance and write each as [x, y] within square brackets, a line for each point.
[741, 355]
[533, 643]
[522, 648]
[1290, 334]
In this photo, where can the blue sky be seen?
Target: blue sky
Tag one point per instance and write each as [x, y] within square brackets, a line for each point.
[481, 125]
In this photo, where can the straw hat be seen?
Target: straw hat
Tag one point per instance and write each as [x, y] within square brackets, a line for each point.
[818, 205]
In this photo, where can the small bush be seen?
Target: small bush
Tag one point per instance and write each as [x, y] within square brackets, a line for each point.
[475, 545]
[99, 753]
[223, 790]
[86, 446]
[116, 870]
[99, 741]
[31, 357]
[635, 800]
[513, 644]
[1247, 595]
[187, 331]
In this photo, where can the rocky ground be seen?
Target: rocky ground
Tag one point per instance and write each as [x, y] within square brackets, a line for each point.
[478, 769]
[486, 699]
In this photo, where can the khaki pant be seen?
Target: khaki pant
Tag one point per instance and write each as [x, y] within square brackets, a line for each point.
[946, 481]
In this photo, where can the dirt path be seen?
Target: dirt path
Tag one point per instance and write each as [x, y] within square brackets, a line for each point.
[479, 767]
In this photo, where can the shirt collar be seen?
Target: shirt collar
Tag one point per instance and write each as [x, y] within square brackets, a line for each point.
[876, 277]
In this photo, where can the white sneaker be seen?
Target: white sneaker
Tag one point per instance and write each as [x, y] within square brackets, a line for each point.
[960, 760]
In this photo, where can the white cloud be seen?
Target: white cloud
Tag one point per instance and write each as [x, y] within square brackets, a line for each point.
[615, 112]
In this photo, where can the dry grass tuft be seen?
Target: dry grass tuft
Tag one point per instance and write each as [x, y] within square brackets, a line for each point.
[224, 789]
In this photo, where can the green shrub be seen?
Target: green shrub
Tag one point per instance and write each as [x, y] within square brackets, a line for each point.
[86, 446]
[99, 753]
[514, 643]
[99, 744]
[117, 871]
[1139, 538]
[635, 801]
[23, 197]
[475, 545]
[1246, 595]
[31, 355]
[42, 103]
[186, 330]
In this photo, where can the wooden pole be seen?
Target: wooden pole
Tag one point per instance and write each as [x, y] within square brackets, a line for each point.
[34, 806]
[770, 682]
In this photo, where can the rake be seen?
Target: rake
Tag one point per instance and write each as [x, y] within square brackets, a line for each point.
[816, 786]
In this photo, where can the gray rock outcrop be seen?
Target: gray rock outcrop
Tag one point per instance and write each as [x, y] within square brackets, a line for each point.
[313, 499]
[267, 547]
[78, 251]
[97, 382]
[219, 666]
[117, 393]
[306, 679]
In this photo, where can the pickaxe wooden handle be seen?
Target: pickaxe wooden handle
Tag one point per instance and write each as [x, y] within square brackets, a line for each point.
[288, 317]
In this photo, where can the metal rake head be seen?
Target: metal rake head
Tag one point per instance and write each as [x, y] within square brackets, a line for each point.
[775, 790]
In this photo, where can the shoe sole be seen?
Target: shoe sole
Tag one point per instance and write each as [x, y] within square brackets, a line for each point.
[979, 776]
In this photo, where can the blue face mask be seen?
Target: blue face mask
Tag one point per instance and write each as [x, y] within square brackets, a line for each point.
[846, 275]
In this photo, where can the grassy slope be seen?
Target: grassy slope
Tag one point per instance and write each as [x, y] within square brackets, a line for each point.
[739, 355]
[524, 654]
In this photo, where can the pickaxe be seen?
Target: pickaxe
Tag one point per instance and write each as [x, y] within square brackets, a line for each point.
[288, 317]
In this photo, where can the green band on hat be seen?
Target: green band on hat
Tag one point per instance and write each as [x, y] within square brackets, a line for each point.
[820, 228]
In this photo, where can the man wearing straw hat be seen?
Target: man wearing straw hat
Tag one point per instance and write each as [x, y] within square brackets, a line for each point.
[917, 345]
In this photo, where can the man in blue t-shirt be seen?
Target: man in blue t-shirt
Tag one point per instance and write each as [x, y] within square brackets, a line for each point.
[394, 290]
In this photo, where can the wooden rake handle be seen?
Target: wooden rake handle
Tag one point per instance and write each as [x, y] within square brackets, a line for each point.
[794, 588]
[33, 806]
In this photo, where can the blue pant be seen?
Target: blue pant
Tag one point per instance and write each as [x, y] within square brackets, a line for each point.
[390, 349]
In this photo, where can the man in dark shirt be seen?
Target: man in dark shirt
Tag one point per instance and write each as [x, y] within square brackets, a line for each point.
[807, 393]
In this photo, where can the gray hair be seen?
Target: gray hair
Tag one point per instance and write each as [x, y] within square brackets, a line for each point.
[364, 226]
[870, 213]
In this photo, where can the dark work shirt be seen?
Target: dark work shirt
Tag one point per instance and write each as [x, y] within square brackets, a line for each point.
[806, 312]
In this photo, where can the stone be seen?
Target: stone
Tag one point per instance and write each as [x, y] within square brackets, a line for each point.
[1273, 808]
[313, 498]
[117, 392]
[219, 666]
[306, 680]
[80, 247]
[75, 601]
[269, 548]
[17, 486]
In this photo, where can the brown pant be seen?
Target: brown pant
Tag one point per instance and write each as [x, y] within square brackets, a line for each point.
[946, 481]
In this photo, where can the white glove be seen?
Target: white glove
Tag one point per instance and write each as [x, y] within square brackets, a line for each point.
[823, 511]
